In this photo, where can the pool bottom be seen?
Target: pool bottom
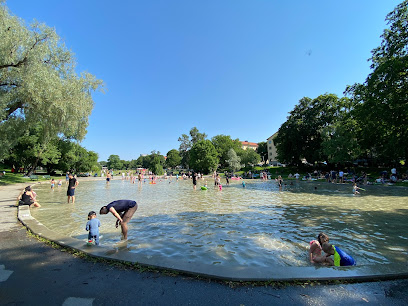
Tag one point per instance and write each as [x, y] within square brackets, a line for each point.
[120, 252]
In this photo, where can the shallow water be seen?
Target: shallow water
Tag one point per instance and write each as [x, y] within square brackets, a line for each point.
[258, 226]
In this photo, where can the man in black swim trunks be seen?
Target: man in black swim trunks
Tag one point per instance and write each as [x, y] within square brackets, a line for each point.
[123, 210]
[72, 183]
[194, 176]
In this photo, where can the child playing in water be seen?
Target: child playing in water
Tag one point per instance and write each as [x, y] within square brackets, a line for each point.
[355, 189]
[93, 227]
[341, 258]
[315, 250]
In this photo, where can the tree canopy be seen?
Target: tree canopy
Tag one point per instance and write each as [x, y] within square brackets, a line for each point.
[173, 159]
[223, 143]
[203, 157]
[381, 101]
[39, 84]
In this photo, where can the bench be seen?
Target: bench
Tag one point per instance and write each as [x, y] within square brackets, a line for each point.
[48, 177]
[34, 177]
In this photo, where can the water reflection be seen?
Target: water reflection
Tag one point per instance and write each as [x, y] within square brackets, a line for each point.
[259, 225]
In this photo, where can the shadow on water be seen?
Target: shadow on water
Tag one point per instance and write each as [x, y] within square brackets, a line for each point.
[324, 188]
[254, 238]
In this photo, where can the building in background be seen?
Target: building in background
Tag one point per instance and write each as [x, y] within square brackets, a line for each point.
[249, 145]
[272, 151]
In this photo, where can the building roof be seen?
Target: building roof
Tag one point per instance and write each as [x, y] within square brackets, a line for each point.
[250, 144]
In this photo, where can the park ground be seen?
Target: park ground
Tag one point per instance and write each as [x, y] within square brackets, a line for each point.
[36, 273]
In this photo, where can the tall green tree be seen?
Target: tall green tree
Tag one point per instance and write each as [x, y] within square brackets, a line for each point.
[382, 107]
[203, 157]
[39, 84]
[223, 143]
[114, 162]
[186, 143]
[156, 163]
[249, 157]
[233, 161]
[262, 150]
[173, 159]
[31, 151]
[301, 135]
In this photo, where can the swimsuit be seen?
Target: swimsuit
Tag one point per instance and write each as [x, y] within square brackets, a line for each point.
[316, 252]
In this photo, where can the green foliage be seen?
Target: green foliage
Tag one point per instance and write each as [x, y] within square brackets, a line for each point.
[173, 158]
[114, 162]
[249, 157]
[31, 150]
[382, 107]
[223, 143]
[263, 150]
[203, 157]
[186, 143]
[233, 160]
[155, 163]
[39, 85]
[301, 135]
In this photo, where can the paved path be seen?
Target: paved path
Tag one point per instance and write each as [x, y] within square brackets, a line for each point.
[32, 273]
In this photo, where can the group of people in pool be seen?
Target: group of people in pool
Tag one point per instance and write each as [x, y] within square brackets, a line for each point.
[340, 258]
[123, 210]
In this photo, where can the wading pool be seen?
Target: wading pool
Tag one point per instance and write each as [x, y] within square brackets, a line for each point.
[256, 226]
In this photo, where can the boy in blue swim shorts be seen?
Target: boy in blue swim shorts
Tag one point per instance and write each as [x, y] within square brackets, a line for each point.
[341, 258]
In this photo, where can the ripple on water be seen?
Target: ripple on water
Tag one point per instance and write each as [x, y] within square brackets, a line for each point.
[256, 226]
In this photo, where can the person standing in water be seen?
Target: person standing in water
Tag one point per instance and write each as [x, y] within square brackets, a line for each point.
[194, 176]
[72, 183]
[123, 210]
[108, 177]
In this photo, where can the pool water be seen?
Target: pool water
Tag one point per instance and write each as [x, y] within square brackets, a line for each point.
[257, 226]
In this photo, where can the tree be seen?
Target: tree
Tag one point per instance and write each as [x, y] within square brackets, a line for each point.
[233, 161]
[223, 144]
[114, 162]
[382, 108]
[203, 157]
[30, 151]
[263, 150]
[301, 135]
[156, 162]
[339, 140]
[173, 159]
[39, 85]
[186, 143]
[250, 158]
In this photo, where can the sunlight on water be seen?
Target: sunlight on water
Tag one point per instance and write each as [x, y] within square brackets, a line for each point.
[256, 226]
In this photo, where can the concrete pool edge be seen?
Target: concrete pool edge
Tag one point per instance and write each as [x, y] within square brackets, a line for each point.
[236, 273]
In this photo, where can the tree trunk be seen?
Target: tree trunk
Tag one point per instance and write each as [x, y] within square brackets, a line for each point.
[33, 166]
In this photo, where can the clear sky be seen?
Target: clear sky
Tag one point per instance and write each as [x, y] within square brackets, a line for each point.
[227, 67]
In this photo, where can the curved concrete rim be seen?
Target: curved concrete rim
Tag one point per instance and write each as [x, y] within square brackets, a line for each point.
[234, 273]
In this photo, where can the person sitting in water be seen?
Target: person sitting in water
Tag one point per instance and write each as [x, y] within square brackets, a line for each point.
[315, 250]
[355, 189]
[341, 258]
[28, 198]
[123, 210]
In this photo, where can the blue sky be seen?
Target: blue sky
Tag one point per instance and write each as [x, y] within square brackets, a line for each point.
[227, 67]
